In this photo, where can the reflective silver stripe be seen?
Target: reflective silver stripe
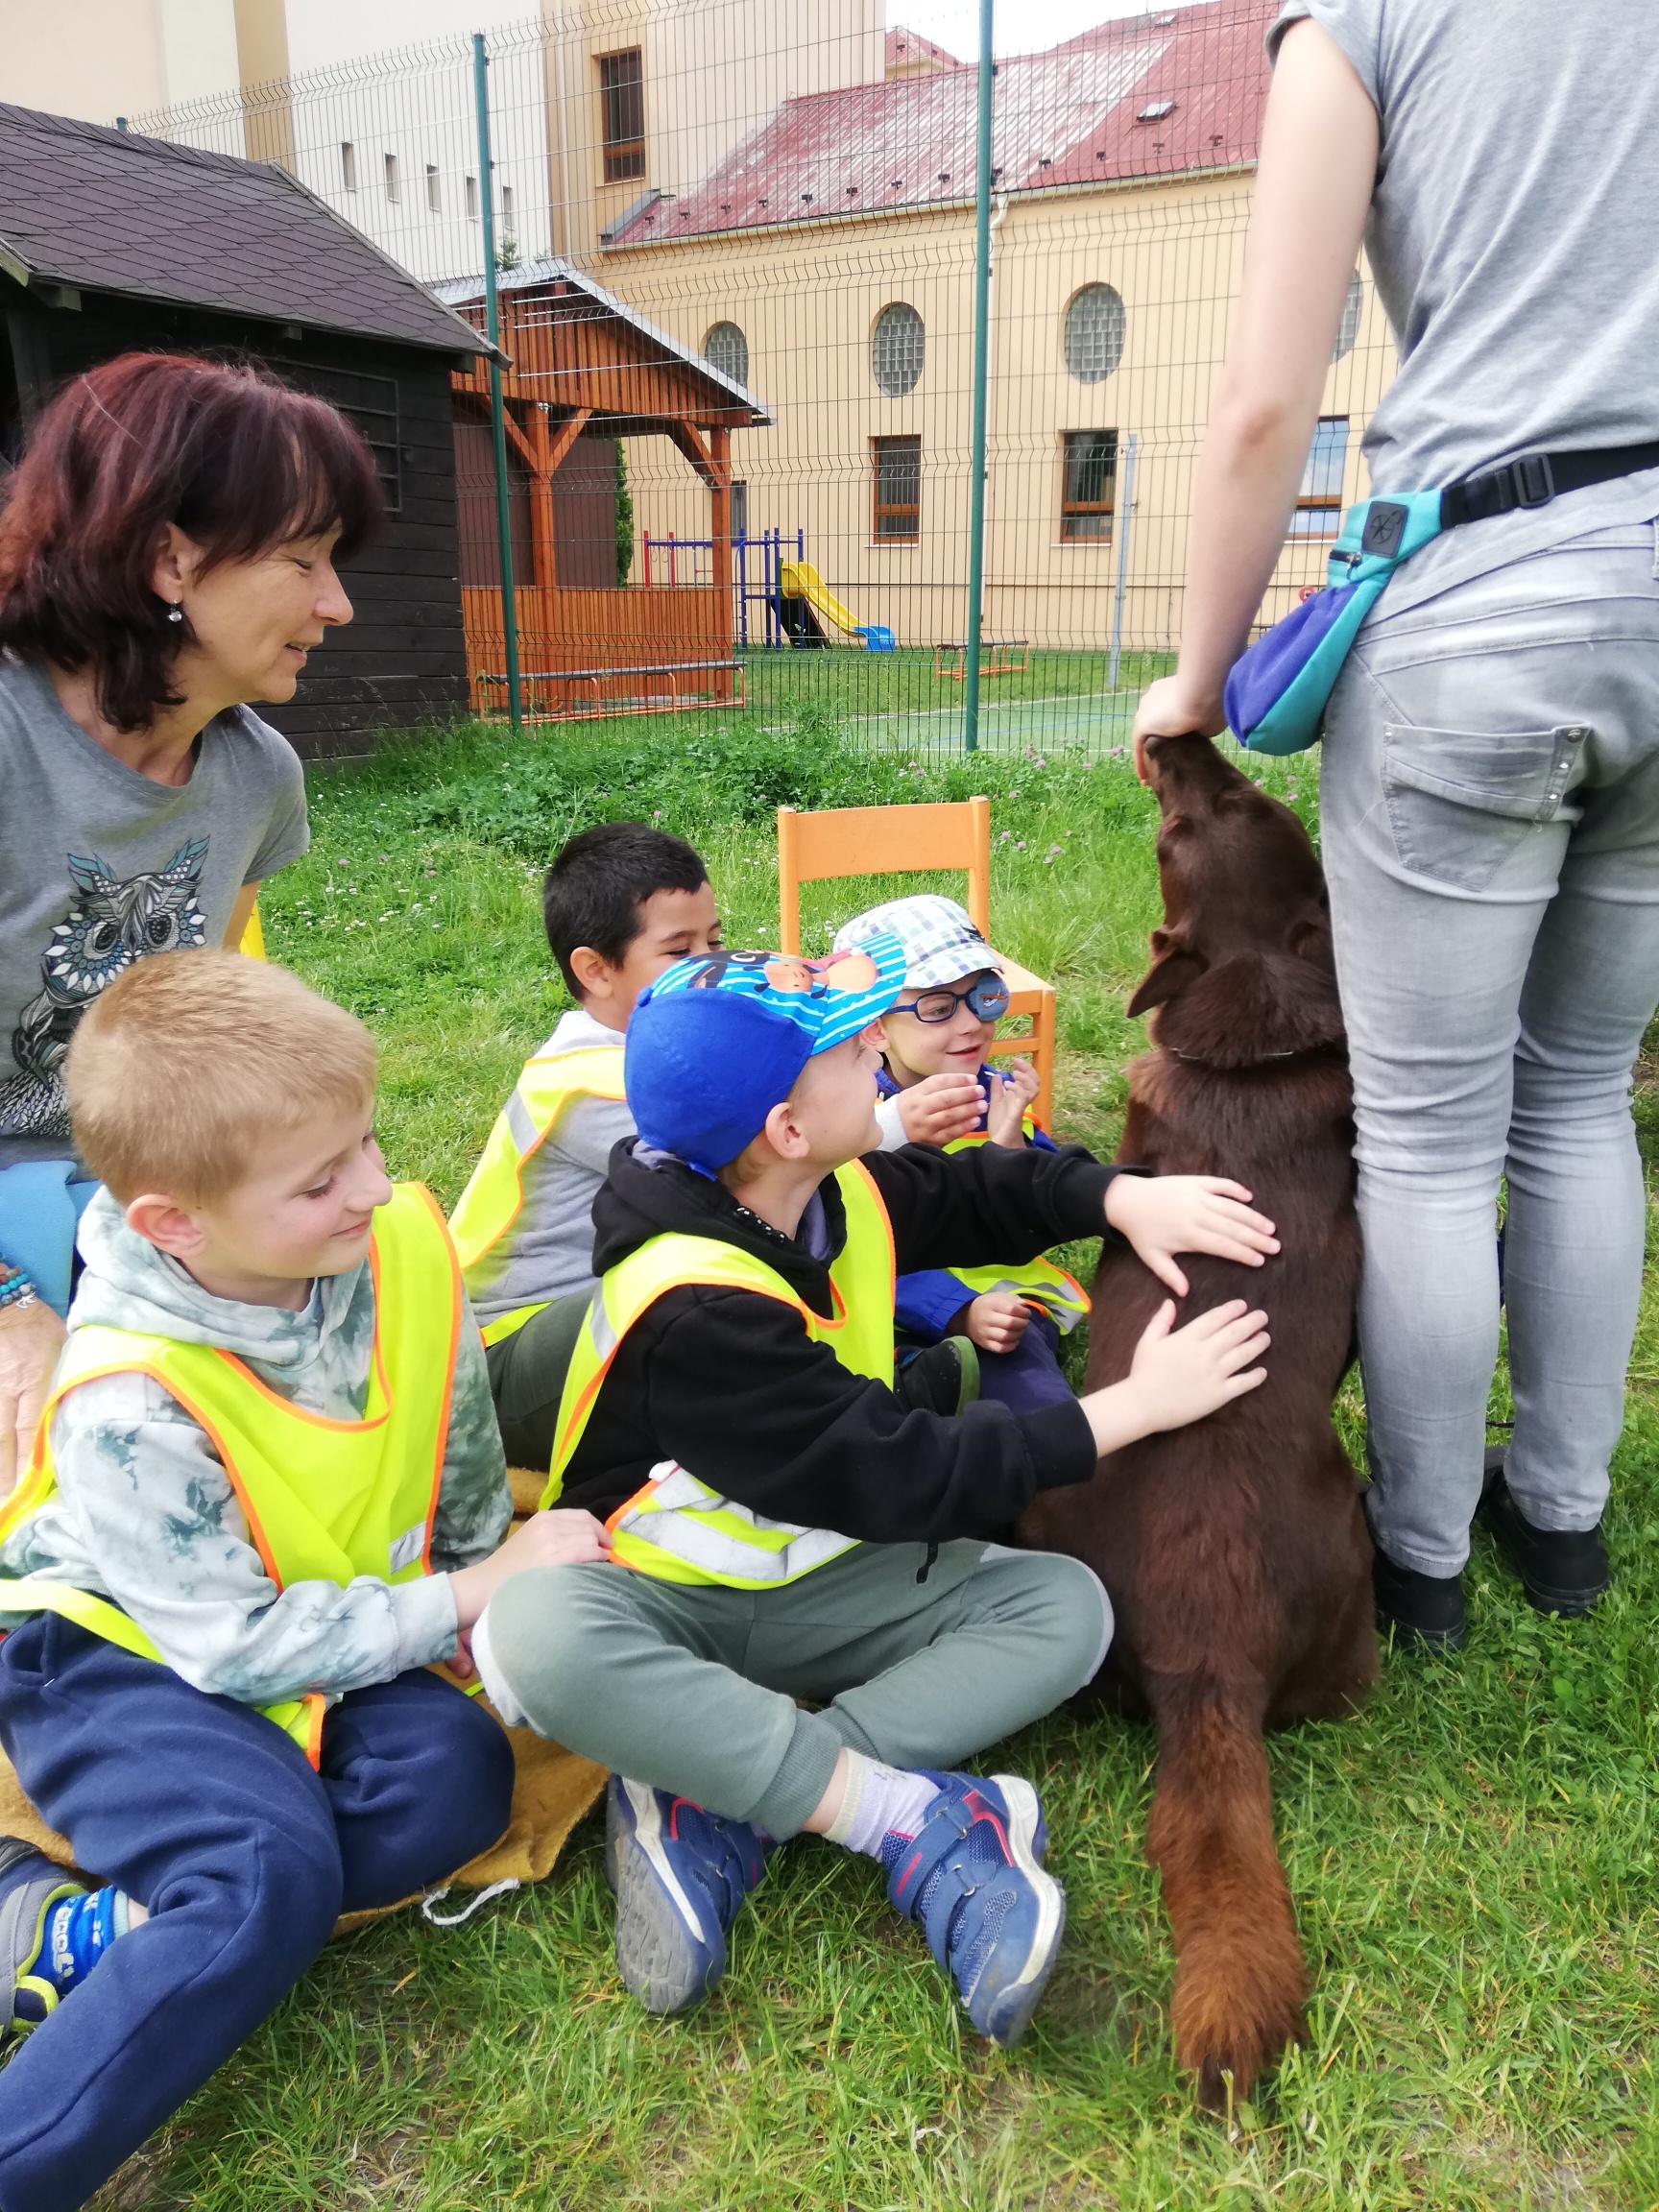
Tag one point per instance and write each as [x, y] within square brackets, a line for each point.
[599, 1325]
[408, 1548]
[520, 1122]
[673, 1520]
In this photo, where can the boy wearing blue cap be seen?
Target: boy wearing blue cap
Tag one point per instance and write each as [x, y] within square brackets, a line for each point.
[783, 1529]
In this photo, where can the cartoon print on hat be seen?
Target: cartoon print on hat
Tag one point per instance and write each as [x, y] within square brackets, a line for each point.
[830, 999]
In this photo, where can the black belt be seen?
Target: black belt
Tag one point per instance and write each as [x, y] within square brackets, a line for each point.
[1538, 478]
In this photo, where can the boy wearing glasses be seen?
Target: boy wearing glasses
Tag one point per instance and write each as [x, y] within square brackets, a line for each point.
[783, 1527]
[933, 1044]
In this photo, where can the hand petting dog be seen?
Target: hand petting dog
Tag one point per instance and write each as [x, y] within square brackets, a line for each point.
[1162, 1215]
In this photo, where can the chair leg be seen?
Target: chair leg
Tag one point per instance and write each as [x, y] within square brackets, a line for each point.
[1042, 1057]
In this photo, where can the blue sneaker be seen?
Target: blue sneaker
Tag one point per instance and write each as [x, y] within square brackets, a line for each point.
[680, 1876]
[973, 1881]
[29, 1887]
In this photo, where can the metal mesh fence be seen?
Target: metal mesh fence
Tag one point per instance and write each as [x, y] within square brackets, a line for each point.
[736, 254]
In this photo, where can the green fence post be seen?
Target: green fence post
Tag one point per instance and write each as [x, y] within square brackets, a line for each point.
[981, 348]
[497, 407]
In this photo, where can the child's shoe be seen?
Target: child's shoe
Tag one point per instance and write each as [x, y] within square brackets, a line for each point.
[940, 1378]
[973, 1881]
[680, 1876]
[29, 1887]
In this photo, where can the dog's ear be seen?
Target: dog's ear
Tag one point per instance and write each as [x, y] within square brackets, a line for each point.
[1175, 970]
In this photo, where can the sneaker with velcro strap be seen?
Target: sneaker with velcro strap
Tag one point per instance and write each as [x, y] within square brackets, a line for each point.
[973, 1880]
[29, 1887]
[680, 1874]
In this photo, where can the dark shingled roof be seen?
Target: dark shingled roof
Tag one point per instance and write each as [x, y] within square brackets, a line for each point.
[109, 211]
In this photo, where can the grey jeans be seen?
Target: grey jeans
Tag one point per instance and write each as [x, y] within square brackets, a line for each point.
[1490, 800]
[916, 1659]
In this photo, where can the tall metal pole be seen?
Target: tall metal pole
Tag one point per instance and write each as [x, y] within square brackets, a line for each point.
[1123, 509]
[497, 407]
[981, 355]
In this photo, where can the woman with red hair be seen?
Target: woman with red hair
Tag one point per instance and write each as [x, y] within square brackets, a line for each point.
[167, 550]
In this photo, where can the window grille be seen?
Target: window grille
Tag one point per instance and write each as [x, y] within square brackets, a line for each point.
[1089, 484]
[622, 100]
[897, 473]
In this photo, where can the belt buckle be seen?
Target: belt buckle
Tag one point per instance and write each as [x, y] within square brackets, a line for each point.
[1534, 480]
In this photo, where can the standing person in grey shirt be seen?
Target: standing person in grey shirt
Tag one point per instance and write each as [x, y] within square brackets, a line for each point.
[1490, 786]
[167, 551]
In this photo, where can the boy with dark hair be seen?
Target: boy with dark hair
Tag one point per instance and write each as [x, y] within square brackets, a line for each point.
[786, 1530]
[621, 901]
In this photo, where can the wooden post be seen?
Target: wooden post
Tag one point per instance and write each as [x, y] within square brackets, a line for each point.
[720, 507]
[542, 501]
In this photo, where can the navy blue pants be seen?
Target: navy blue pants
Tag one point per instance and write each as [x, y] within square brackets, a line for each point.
[1027, 1377]
[208, 1815]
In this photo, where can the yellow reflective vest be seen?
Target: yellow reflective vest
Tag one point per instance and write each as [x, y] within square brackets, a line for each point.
[549, 1086]
[1038, 1281]
[679, 1527]
[325, 1500]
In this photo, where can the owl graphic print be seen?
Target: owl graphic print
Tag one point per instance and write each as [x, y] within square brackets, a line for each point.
[113, 922]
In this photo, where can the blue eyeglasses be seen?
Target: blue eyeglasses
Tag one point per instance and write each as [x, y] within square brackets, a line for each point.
[988, 999]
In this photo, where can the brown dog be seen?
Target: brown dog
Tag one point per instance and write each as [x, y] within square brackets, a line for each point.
[1235, 1551]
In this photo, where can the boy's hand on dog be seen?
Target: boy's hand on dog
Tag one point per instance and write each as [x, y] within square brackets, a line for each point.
[1180, 1375]
[1009, 1100]
[550, 1539]
[997, 1321]
[940, 1108]
[1162, 1215]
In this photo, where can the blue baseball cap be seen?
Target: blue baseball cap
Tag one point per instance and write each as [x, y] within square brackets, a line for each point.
[717, 1040]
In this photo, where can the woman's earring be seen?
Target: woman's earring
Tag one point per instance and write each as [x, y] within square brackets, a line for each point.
[175, 613]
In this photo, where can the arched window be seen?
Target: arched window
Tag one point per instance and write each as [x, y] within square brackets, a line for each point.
[1353, 307]
[1094, 333]
[727, 350]
[897, 344]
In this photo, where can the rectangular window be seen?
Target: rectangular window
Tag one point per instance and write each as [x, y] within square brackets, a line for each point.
[897, 474]
[434, 198]
[1089, 484]
[473, 199]
[348, 165]
[622, 104]
[393, 189]
[506, 210]
[1319, 502]
[740, 509]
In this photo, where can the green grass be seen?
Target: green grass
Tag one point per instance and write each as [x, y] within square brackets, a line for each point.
[1472, 1860]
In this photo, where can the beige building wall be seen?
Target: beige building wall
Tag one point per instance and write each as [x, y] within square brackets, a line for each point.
[99, 58]
[806, 299]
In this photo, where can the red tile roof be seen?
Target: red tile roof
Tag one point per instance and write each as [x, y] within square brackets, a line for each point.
[908, 49]
[1073, 115]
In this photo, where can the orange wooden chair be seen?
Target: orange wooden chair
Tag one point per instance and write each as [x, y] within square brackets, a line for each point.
[903, 840]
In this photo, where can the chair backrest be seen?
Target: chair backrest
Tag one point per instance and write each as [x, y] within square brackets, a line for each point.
[881, 841]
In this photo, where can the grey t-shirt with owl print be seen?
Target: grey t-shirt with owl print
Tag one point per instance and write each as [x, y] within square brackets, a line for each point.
[100, 866]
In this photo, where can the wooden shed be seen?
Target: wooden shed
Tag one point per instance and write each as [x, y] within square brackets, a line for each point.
[110, 242]
[587, 370]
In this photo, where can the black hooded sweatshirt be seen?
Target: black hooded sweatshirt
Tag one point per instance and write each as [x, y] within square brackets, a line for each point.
[728, 1383]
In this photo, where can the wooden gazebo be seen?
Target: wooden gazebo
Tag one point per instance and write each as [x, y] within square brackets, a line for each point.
[586, 368]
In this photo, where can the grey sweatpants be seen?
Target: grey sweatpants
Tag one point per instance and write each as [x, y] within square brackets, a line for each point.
[693, 1689]
[1490, 800]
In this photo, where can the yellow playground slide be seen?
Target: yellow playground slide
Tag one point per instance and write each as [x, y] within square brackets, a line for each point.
[800, 580]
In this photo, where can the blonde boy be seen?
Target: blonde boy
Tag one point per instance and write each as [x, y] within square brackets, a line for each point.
[266, 1494]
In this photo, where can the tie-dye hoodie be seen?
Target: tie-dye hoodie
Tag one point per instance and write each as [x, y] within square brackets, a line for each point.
[145, 1515]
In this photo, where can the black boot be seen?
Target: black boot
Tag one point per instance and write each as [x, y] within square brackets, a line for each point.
[1425, 1612]
[1562, 1570]
[942, 1379]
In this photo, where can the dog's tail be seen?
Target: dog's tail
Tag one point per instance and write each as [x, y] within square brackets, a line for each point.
[1239, 1977]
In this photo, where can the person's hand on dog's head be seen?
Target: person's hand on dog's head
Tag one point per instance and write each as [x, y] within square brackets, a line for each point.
[1162, 1215]
[1171, 708]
